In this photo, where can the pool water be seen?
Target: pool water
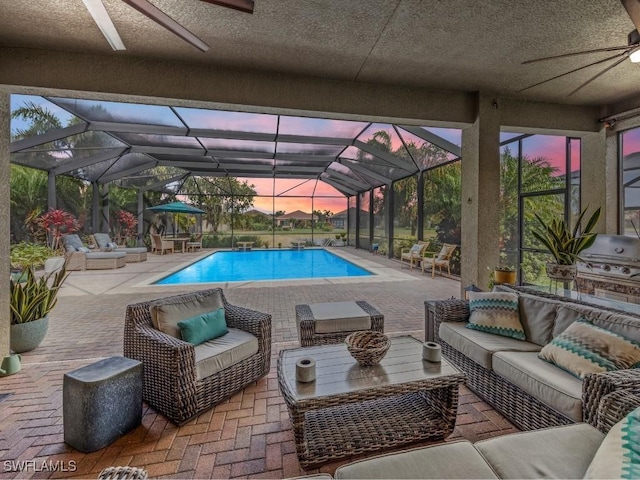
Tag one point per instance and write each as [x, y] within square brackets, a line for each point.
[273, 264]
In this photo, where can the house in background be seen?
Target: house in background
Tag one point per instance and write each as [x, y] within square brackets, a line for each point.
[296, 219]
[339, 220]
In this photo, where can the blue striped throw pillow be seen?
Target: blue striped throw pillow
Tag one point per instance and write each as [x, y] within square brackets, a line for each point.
[497, 313]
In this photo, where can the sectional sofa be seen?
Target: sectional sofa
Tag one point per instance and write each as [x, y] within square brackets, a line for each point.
[508, 374]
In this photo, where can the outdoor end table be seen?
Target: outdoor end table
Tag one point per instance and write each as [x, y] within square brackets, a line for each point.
[350, 409]
[329, 323]
[244, 245]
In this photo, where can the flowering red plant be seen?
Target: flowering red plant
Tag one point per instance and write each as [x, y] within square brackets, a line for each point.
[128, 223]
[58, 222]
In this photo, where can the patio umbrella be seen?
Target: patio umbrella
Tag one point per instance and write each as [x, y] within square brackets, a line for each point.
[176, 207]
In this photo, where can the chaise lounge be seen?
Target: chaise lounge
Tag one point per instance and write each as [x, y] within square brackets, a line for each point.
[80, 257]
[105, 244]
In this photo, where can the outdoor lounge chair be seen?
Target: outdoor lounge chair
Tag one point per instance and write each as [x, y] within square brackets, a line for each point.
[439, 259]
[414, 254]
[181, 379]
[160, 245]
[80, 257]
[104, 243]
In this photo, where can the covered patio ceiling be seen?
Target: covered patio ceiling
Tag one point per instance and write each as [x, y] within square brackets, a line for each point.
[155, 147]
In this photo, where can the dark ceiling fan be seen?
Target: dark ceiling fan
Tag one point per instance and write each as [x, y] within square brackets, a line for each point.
[102, 19]
[631, 51]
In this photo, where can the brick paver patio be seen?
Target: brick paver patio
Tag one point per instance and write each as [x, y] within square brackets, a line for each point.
[248, 436]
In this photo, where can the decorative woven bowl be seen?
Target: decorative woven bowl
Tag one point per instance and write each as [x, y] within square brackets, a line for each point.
[368, 347]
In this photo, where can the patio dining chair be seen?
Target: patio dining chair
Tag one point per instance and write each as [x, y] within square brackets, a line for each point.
[195, 244]
[439, 259]
[161, 245]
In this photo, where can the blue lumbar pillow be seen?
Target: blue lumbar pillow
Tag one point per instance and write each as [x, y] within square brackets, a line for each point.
[203, 327]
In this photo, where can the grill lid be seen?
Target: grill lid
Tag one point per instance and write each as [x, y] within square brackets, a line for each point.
[614, 249]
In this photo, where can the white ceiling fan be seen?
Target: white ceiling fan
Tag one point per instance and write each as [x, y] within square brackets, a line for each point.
[101, 17]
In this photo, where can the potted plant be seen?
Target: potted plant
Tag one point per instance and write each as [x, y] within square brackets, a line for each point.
[566, 244]
[24, 254]
[29, 305]
[503, 274]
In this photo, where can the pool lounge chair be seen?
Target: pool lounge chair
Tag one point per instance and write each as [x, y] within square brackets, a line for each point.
[105, 244]
[439, 259]
[81, 257]
[414, 254]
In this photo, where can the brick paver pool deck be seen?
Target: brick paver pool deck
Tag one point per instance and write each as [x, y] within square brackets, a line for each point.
[248, 436]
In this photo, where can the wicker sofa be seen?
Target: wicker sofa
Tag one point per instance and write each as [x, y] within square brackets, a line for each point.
[182, 380]
[508, 374]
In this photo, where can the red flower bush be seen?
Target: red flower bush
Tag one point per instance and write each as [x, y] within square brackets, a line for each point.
[128, 223]
[58, 222]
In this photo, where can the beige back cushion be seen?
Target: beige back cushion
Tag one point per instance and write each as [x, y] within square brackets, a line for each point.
[537, 316]
[166, 313]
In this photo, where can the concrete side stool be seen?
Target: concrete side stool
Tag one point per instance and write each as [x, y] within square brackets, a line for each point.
[101, 402]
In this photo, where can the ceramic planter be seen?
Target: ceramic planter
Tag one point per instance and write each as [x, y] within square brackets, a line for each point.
[565, 273]
[504, 276]
[27, 336]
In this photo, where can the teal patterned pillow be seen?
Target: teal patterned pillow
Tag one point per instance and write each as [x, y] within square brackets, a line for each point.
[585, 348]
[497, 313]
[619, 453]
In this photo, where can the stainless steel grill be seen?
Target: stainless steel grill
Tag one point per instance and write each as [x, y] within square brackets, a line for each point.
[612, 256]
[610, 268]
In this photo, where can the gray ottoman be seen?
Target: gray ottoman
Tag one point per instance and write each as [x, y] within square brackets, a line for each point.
[329, 323]
[101, 402]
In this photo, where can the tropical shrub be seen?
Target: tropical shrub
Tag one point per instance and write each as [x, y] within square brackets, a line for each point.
[23, 255]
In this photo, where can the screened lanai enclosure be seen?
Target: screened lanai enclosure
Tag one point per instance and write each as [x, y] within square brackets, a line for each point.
[273, 179]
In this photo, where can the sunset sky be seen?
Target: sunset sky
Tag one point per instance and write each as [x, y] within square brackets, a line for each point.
[293, 194]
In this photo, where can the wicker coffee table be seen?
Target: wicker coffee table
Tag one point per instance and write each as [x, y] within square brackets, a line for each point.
[351, 409]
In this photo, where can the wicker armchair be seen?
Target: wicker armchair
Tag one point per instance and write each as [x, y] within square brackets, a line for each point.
[170, 380]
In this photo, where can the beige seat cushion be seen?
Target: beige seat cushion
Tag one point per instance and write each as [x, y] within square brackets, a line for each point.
[223, 352]
[448, 460]
[559, 452]
[480, 346]
[105, 255]
[546, 382]
[166, 313]
[339, 317]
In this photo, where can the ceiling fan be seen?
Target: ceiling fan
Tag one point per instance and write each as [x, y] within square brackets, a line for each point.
[101, 17]
[631, 51]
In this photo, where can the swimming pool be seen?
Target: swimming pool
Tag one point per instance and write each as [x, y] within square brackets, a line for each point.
[265, 265]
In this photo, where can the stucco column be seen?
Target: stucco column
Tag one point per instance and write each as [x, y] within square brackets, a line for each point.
[480, 194]
[95, 207]
[598, 177]
[5, 229]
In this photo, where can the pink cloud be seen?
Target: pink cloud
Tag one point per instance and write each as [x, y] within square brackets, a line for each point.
[631, 142]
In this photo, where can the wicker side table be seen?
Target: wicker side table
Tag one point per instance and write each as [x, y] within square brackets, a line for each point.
[309, 336]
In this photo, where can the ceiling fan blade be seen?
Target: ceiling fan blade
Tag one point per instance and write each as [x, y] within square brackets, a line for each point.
[161, 18]
[564, 55]
[242, 5]
[103, 20]
[598, 75]
[623, 55]
[633, 9]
